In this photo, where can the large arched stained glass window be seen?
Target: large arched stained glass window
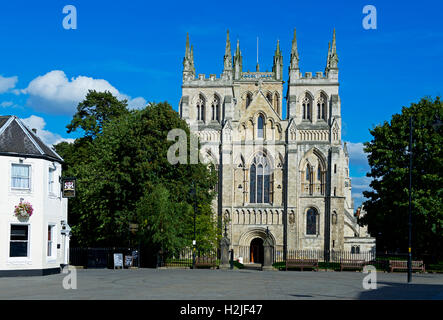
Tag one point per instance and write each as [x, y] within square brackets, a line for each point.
[311, 221]
[259, 180]
[260, 124]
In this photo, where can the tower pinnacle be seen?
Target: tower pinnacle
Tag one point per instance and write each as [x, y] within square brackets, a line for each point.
[294, 53]
[227, 59]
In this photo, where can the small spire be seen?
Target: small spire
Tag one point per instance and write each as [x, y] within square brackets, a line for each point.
[237, 62]
[333, 57]
[187, 45]
[294, 43]
[188, 60]
[192, 58]
[227, 59]
[294, 52]
[228, 44]
[329, 55]
[333, 49]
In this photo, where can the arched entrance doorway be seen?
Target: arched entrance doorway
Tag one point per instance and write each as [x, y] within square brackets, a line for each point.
[257, 251]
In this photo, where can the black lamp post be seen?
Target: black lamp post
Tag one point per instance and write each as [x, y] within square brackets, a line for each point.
[194, 193]
[410, 207]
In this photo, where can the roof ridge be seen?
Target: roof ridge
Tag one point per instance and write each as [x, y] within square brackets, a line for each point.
[34, 136]
[6, 124]
[26, 130]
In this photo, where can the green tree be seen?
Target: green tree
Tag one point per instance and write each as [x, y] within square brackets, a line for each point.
[93, 112]
[127, 179]
[387, 207]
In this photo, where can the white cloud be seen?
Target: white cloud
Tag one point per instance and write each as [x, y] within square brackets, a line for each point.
[55, 93]
[50, 138]
[357, 156]
[7, 83]
[6, 104]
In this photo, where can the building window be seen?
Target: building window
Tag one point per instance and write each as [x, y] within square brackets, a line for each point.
[51, 174]
[277, 103]
[269, 97]
[321, 108]
[201, 108]
[306, 108]
[18, 246]
[260, 180]
[311, 221]
[215, 108]
[20, 176]
[50, 242]
[309, 179]
[355, 249]
[260, 125]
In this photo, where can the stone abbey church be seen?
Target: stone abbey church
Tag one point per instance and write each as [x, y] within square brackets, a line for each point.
[286, 178]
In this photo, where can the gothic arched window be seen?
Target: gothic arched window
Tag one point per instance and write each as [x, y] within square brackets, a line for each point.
[307, 108]
[277, 103]
[260, 125]
[309, 178]
[269, 97]
[215, 108]
[201, 108]
[311, 221]
[321, 108]
[260, 180]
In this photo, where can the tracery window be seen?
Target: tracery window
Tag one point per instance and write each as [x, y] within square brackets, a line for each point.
[215, 108]
[260, 180]
[306, 108]
[201, 108]
[321, 108]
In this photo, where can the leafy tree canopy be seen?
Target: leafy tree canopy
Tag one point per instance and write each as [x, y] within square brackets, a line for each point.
[95, 110]
[387, 207]
[123, 177]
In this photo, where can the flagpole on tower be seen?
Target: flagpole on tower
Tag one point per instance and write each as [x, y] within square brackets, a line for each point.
[258, 67]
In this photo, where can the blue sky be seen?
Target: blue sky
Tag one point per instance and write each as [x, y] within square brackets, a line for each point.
[136, 48]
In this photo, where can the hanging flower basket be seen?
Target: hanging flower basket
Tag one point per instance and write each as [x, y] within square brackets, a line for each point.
[23, 210]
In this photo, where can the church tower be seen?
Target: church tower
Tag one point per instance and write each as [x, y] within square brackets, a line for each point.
[286, 180]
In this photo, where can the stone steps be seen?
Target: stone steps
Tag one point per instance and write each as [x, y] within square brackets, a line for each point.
[253, 266]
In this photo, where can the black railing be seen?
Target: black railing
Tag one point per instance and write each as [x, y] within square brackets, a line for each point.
[184, 258]
[104, 257]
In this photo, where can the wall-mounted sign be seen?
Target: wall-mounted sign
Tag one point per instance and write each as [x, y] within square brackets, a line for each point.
[68, 187]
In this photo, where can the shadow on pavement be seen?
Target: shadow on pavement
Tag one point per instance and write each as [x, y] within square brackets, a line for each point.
[403, 291]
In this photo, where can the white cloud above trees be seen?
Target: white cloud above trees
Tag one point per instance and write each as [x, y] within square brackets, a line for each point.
[54, 93]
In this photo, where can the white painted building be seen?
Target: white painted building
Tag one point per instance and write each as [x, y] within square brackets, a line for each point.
[30, 171]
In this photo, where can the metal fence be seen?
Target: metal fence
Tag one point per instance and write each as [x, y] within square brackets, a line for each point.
[184, 257]
[103, 257]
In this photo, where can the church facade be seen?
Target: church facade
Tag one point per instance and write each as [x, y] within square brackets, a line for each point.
[286, 178]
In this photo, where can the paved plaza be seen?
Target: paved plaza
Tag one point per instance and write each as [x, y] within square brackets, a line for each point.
[186, 284]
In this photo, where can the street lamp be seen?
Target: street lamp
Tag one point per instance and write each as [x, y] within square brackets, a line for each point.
[194, 242]
[435, 125]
